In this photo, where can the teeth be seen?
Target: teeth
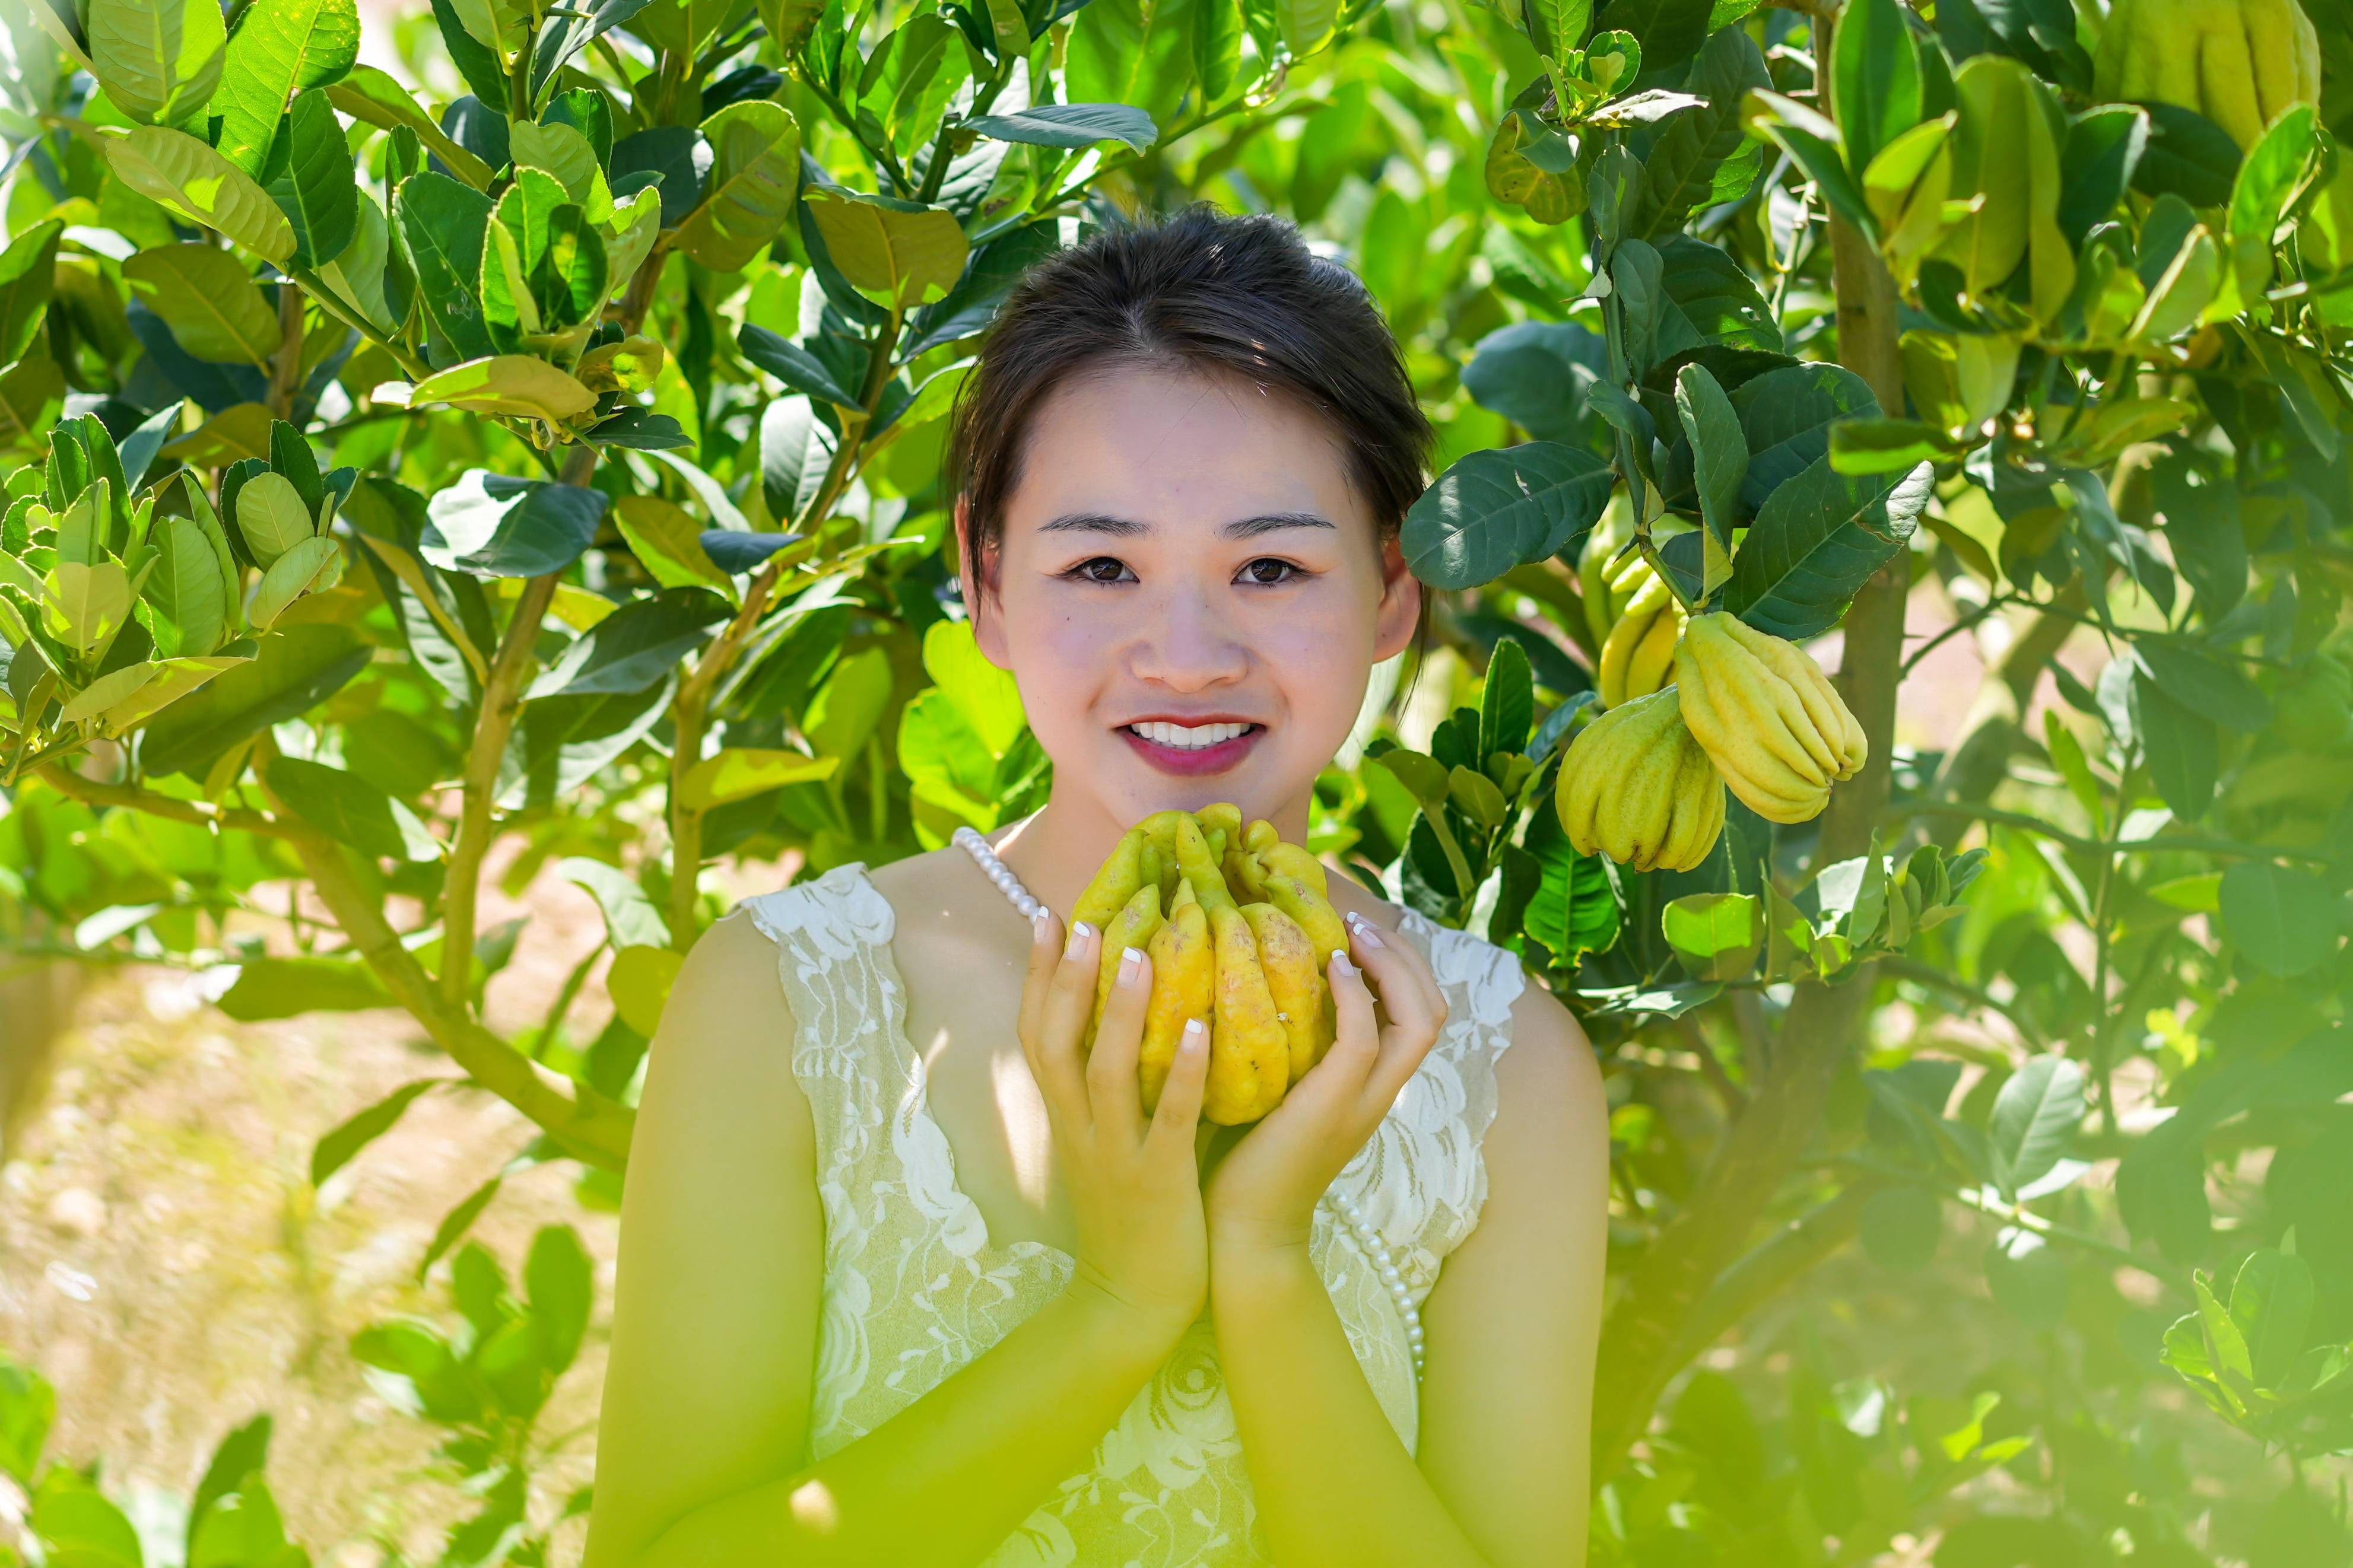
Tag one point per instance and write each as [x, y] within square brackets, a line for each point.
[1191, 738]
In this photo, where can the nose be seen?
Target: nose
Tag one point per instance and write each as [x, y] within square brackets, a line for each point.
[1183, 642]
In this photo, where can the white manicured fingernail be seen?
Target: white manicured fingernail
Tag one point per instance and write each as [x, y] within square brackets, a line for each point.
[1080, 932]
[1197, 1034]
[1366, 934]
[1340, 962]
[1131, 961]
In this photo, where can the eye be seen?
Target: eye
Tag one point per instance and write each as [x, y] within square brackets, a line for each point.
[1099, 569]
[1268, 571]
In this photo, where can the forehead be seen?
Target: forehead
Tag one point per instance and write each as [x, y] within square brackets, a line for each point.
[1178, 446]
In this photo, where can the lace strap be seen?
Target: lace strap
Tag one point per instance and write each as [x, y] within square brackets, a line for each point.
[1421, 1179]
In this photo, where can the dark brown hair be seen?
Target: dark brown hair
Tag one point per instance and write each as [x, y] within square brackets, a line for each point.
[1201, 290]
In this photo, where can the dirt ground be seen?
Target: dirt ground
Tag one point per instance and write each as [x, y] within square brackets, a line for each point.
[166, 1265]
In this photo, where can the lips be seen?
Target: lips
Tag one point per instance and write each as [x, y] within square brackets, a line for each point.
[1192, 748]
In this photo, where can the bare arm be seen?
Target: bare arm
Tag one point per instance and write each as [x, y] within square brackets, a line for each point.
[1500, 1481]
[702, 1452]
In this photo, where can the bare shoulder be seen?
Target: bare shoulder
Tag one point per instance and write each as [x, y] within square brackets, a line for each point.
[918, 883]
[1550, 1071]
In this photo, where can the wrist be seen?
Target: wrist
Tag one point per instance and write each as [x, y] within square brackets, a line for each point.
[1122, 1324]
[1245, 1238]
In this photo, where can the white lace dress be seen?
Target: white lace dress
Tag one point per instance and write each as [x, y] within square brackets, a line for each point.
[914, 1289]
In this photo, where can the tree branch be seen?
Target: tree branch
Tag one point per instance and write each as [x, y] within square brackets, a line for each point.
[1654, 1320]
[493, 722]
[132, 797]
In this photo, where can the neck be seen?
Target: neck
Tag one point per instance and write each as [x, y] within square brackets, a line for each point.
[1057, 852]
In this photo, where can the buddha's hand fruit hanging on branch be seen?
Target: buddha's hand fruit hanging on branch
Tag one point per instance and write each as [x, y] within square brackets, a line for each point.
[1644, 783]
[1239, 928]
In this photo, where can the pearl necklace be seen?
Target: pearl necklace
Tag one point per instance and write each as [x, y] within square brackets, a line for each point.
[1369, 1240]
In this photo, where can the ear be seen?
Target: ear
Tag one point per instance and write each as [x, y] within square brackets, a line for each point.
[986, 631]
[1400, 606]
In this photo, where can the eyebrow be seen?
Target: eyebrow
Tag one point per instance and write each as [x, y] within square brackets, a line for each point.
[1129, 528]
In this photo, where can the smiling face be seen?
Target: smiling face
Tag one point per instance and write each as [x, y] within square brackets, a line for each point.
[1190, 594]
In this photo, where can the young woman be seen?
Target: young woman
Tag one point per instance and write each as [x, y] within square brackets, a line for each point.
[907, 1276]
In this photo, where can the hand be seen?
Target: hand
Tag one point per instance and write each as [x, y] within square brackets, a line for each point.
[1135, 1190]
[1263, 1193]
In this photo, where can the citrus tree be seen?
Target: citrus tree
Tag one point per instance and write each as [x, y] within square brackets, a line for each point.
[541, 470]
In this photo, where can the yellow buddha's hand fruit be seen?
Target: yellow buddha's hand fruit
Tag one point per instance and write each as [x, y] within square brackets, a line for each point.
[1184, 987]
[1252, 969]
[1133, 926]
[1250, 1050]
[1768, 717]
[1115, 883]
[2238, 62]
[1302, 1001]
[1636, 786]
[1641, 648]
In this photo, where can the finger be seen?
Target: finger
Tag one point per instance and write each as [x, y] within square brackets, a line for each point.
[1180, 1098]
[1069, 997]
[1408, 994]
[1112, 1084]
[1357, 1037]
[1411, 953]
[1045, 941]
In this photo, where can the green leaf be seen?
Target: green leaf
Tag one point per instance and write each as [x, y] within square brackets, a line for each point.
[795, 366]
[1668, 31]
[2271, 1304]
[337, 1148]
[2183, 750]
[1305, 25]
[1218, 32]
[2034, 1117]
[506, 384]
[28, 270]
[1507, 703]
[2285, 921]
[1874, 446]
[1708, 300]
[293, 671]
[281, 48]
[1719, 456]
[889, 248]
[210, 301]
[488, 525]
[639, 980]
[2213, 686]
[557, 150]
[1703, 156]
[1715, 936]
[2103, 150]
[1071, 125]
[288, 987]
[1816, 540]
[909, 81]
[1496, 509]
[186, 592]
[1786, 416]
[351, 809]
[630, 918]
[1811, 139]
[2189, 156]
[271, 518]
[310, 175]
[78, 1527]
[574, 28]
[190, 179]
[371, 96]
[756, 148]
[635, 646]
[985, 695]
[559, 1284]
[741, 772]
[1876, 78]
[666, 542]
[441, 226]
[157, 59]
[1140, 52]
[311, 566]
[1557, 27]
